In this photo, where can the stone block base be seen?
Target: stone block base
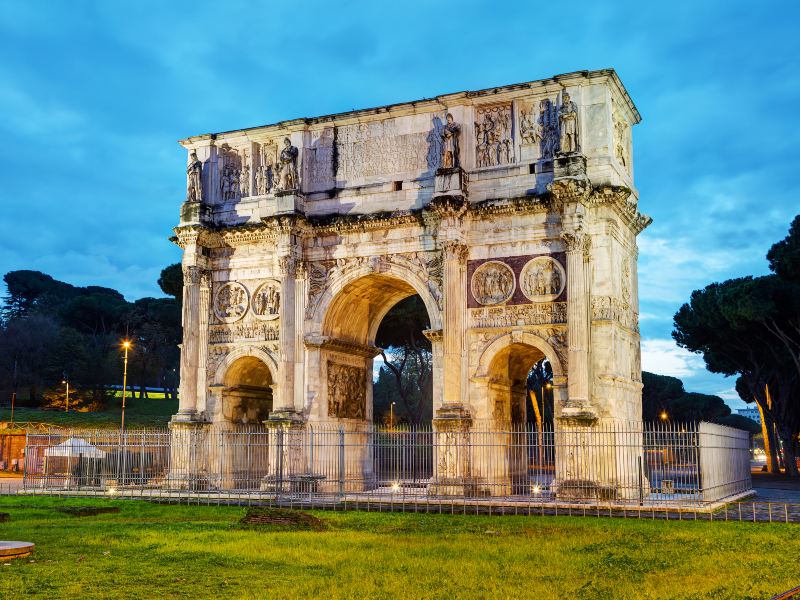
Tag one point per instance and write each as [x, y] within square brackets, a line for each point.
[468, 488]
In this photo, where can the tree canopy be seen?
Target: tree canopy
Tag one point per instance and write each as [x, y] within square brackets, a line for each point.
[51, 330]
[750, 326]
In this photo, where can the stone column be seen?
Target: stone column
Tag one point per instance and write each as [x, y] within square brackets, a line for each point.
[192, 336]
[579, 401]
[454, 292]
[204, 307]
[284, 402]
[300, 287]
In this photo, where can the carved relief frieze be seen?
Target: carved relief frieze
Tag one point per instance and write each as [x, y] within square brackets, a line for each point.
[493, 283]
[347, 389]
[230, 172]
[266, 300]
[319, 159]
[609, 308]
[621, 138]
[265, 166]
[625, 287]
[494, 144]
[539, 127]
[519, 314]
[255, 330]
[542, 279]
[231, 302]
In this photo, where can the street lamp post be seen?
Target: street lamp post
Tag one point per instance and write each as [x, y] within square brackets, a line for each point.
[391, 415]
[65, 380]
[126, 345]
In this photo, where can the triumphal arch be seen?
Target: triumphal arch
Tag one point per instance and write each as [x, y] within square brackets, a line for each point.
[510, 211]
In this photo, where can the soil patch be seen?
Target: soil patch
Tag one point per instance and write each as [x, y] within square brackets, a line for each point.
[281, 519]
[87, 511]
[4, 517]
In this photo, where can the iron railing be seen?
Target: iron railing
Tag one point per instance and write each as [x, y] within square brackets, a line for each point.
[619, 464]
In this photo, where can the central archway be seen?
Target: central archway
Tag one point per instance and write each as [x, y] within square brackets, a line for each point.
[347, 320]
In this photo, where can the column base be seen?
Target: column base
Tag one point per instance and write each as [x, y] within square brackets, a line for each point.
[467, 488]
[188, 450]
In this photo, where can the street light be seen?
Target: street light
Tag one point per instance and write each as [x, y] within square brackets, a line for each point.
[391, 414]
[126, 345]
[65, 380]
[663, 416]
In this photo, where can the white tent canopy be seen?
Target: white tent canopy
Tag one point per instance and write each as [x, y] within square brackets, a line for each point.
[74, 448]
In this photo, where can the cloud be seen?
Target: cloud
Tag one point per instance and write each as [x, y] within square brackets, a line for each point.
[664, 357]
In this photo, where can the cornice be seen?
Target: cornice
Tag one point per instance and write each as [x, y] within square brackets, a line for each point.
[437, 103]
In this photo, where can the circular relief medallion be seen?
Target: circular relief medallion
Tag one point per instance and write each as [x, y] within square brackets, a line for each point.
[493, 283]
[266, 300]
[230, 302]
[542, 279]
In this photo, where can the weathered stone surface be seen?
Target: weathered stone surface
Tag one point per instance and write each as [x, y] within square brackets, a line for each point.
[510, 211]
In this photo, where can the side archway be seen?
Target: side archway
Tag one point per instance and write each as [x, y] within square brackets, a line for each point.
[244, 386]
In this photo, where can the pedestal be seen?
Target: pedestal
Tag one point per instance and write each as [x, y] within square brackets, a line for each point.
[452, 474]
[194, 213]
[289, 202]
[450, 182]
[569, 165]
[599, 461]
[188, 454]
[287, 463]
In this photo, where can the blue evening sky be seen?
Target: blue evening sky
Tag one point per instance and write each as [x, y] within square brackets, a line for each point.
[94, 95]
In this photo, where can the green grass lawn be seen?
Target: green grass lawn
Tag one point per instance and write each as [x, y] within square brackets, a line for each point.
[158, 551]
[146, 412]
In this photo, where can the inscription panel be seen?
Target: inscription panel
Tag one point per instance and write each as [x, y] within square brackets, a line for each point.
[382, 148]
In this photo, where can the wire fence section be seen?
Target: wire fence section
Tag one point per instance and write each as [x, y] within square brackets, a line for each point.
[625, 464]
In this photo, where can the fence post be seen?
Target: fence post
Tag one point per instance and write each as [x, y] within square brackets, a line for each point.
[641, 491]
[279, 482]
[341, 461]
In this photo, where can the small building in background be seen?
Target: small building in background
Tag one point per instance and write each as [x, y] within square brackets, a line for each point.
[750, 413]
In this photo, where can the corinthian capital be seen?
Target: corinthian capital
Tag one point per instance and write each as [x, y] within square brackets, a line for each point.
[194, 275]
[455, 250]
[287, 265]
[577, 241]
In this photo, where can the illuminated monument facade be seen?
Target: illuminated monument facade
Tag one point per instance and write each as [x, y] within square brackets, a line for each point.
[510, 211]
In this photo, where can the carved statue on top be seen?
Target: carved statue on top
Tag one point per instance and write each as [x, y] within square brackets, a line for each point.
[451, 155]
[194, 175]
[287, 163]
[244, 183]
[568, 125]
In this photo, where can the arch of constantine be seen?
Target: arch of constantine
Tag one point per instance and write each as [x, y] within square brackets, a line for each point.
[510, 211]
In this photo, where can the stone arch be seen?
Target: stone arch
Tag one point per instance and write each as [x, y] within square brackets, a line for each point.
[499, 381]
[244, 383]
[237, 353]
[397, 282]
[524, 338]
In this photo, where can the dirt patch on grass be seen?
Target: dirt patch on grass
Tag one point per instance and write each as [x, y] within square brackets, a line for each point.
[4, 517]
[87, 511]
[278, 518]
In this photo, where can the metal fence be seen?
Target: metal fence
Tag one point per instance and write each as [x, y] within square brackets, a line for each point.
[619, 464]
